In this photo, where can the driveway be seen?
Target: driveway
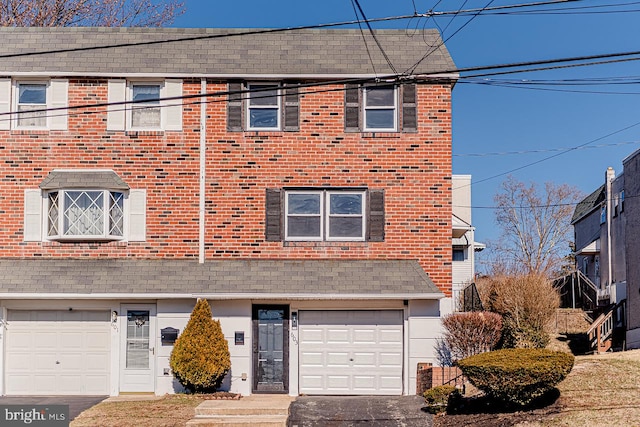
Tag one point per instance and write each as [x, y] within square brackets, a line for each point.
[77, 404]
[348, 411]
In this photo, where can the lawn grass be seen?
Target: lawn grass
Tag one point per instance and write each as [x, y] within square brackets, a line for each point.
[167, 411]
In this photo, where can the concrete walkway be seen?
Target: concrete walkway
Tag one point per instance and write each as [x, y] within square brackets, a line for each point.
[257, 410]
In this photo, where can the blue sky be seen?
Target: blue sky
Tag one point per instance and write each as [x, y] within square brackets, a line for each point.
[490, 119]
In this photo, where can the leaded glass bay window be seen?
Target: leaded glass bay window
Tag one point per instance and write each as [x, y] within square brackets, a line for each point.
[85, 214]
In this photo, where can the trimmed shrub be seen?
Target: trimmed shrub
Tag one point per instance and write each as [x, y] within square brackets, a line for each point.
[439, 398]
[517, 376]
[200, 358]
[471, 333]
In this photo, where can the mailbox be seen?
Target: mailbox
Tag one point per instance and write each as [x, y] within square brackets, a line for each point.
[169, 335]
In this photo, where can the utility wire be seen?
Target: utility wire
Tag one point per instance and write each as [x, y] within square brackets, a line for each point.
[547, 150]
[375, 38]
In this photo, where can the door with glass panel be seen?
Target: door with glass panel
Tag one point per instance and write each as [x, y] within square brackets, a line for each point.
[138, 342]
[270, 348]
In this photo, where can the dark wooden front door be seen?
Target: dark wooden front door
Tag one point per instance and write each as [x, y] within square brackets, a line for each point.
[270, 348]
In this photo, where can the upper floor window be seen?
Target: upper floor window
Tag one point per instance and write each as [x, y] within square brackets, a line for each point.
[81, 214]
[380, 108]
[263, 107]
[325, 215]
[145, 112]
[144, 105]
[458, 254]
[33, 104]
[32, 97]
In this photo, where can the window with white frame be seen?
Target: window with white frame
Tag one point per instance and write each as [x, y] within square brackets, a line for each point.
[325, 215]
[380, 108]
[31, 103]
[85, 214]
[145, 110]
[263, 107]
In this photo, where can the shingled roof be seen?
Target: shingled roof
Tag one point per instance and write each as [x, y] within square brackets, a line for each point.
[588, 204]
[308, 279]
[217, 52]
[78, 178]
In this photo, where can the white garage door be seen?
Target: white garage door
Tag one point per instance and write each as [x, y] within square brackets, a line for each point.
[351, 352]
[57, 352]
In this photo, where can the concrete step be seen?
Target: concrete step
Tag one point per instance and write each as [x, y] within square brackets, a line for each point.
[250, 405]
[239, 421]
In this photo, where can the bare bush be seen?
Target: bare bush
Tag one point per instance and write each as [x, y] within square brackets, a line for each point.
[527, 303]
[471, 333]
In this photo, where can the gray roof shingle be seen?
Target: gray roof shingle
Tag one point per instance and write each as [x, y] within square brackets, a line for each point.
[588, 204]
[226, 52]
[320, 278]
[98, 179]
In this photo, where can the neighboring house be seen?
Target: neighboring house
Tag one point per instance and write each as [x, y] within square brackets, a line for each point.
[464, 245]
[273, 174]
[601, 231]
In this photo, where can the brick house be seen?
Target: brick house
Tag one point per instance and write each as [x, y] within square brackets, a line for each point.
[268, 172]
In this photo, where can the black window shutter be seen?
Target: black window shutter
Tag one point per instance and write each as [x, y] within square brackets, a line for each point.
[291, 109]
[352, 108]
[409, 111]
[375, 219]
[273, 220]
[234, 108]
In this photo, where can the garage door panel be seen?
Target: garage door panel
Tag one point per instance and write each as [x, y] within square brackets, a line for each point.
[57, 352]
[358, 349]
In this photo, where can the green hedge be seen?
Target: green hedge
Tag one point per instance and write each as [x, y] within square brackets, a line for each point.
[440, 397]
[517, 375]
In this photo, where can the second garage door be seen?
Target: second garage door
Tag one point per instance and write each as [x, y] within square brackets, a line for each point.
[57, 352]
[353, 352]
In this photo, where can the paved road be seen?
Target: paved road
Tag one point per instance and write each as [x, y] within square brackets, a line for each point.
[349, 411]
[77, 404]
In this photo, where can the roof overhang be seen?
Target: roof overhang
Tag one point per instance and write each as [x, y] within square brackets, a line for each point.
[592, 248]
[223, 297]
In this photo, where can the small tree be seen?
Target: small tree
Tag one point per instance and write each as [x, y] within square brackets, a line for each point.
[471, 333]
[200, 358]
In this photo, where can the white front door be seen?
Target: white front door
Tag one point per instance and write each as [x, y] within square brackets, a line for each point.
[355, 352]
[138, 342]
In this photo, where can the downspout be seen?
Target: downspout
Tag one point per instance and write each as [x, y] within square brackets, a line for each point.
[610, 175]
[203, 164]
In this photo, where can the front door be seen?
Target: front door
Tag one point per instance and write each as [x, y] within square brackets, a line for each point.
[138, 341]
[271, 349]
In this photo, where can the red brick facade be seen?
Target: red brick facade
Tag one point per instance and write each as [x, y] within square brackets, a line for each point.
[414, 169]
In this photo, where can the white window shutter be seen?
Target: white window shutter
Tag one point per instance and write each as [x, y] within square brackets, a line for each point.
[116, 92]
[137, 215]
[59, 96]
[172, 113]
[32, 216]
[5, 104]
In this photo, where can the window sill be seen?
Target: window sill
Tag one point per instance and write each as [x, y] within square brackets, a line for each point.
[324, 244]
[369, 134]
[136, 133]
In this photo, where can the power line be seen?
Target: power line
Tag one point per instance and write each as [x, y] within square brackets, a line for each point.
[548, 150]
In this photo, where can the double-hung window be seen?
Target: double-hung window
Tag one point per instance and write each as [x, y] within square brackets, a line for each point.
[263, 107]
[145, 111]
[85, 214]
[31, 105]
[380, 108]
[325, 215]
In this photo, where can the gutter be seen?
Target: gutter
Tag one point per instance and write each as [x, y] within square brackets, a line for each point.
[221, 296]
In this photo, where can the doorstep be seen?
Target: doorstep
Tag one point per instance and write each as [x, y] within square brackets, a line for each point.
[261, 410]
